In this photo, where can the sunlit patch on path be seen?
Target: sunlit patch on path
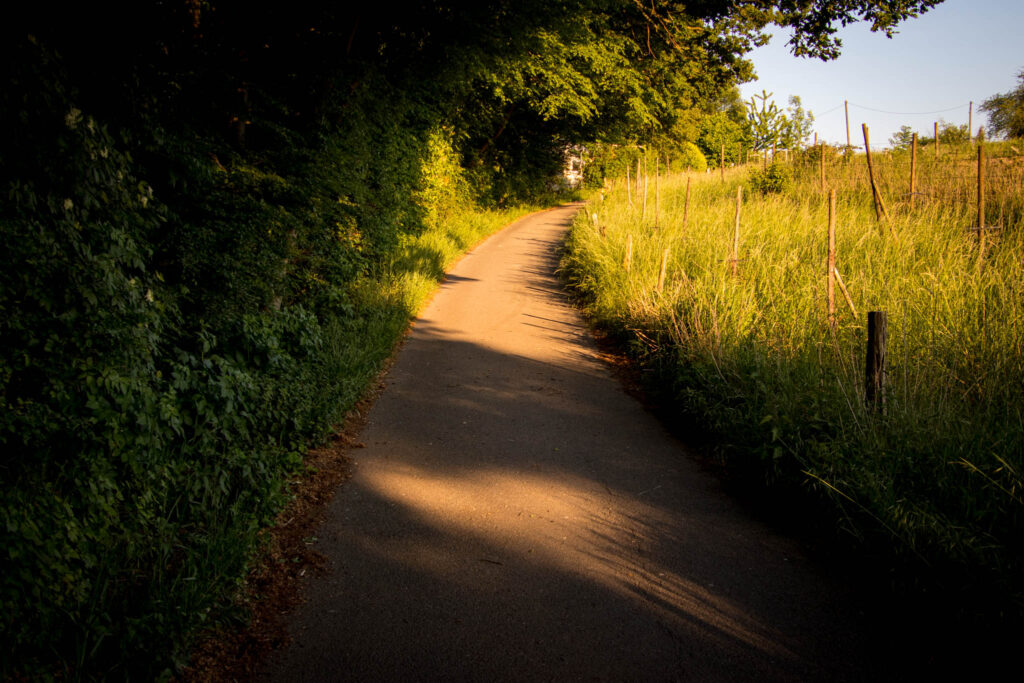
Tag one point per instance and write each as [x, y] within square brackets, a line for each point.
[516, 516]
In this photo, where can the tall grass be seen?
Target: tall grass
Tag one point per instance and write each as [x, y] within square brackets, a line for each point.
[386, 300]
[935, 482]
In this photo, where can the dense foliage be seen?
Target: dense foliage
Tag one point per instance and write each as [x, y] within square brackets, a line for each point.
[770, 127]
[772, 179]
[192, 210]
[1006, 111]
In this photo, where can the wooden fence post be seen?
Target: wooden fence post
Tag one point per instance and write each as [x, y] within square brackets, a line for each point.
[821, 165]
[874, 377]
[970, 122]
[845, 291]
[657, 188]
[643, 209]
[629, 187]
[880, 213]
[981, 201]
[664, 267]
[913, 169]
[830, 283]
[736, 237]
[628, 261]
[721, 162]
[846, 105]
[686, 206]
[936, 139]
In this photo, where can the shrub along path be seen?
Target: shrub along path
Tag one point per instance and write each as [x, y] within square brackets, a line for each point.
[515, 515]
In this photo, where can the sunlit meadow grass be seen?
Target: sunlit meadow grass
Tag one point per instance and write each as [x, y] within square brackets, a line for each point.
[937, 478]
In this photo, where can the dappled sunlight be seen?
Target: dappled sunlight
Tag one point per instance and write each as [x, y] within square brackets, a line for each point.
[564, 523]
[513, 504]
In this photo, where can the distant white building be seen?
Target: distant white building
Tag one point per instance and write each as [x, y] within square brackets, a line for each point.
[572, 172]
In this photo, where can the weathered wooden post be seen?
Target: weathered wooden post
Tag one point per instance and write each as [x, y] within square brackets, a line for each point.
[913, 169]
[721, 162]
[628, 261]
[736, 237]
[629, 187]
[686, 206]
[881, 215]
[643, 209]
[657, 188]
[936, 139]
[821, 165]
[846, 105]
[664, 268]
[845, 291]
[830, 268]
[874, 378]
[981, 201]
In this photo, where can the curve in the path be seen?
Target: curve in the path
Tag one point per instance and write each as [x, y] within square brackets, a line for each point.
[516, 516]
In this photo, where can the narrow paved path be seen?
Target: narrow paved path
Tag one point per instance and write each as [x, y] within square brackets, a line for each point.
[516, 516]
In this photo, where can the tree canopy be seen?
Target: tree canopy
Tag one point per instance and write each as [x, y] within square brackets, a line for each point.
[769, 126]
[589, 69]
[902, 138]
[195, 193]
[1006, 111]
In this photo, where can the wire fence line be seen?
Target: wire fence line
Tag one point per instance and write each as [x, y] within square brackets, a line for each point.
[950, 176]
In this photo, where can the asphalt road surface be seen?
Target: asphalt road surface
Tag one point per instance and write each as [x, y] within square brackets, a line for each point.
[516, 516]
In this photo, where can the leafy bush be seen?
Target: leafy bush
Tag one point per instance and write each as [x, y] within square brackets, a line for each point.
[160, 376]
[720, 130]
[811, 156]
[952, 134]
[691, 158]
[182, 319]
[606, 160]
[775, 179]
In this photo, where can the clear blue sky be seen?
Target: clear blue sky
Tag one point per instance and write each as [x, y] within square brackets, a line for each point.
[959, 51]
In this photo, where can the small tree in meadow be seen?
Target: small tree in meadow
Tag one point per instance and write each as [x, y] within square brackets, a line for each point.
[952, 134]
[903, 138]
[769, 125]
[799, 125]
[767, 121]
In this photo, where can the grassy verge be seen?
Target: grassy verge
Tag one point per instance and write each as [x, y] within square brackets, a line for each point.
[385, 302]
[355, 352]
[933, 486]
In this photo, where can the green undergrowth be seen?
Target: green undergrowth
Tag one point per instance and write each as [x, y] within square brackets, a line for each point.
[932, 487]
[182, 319]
